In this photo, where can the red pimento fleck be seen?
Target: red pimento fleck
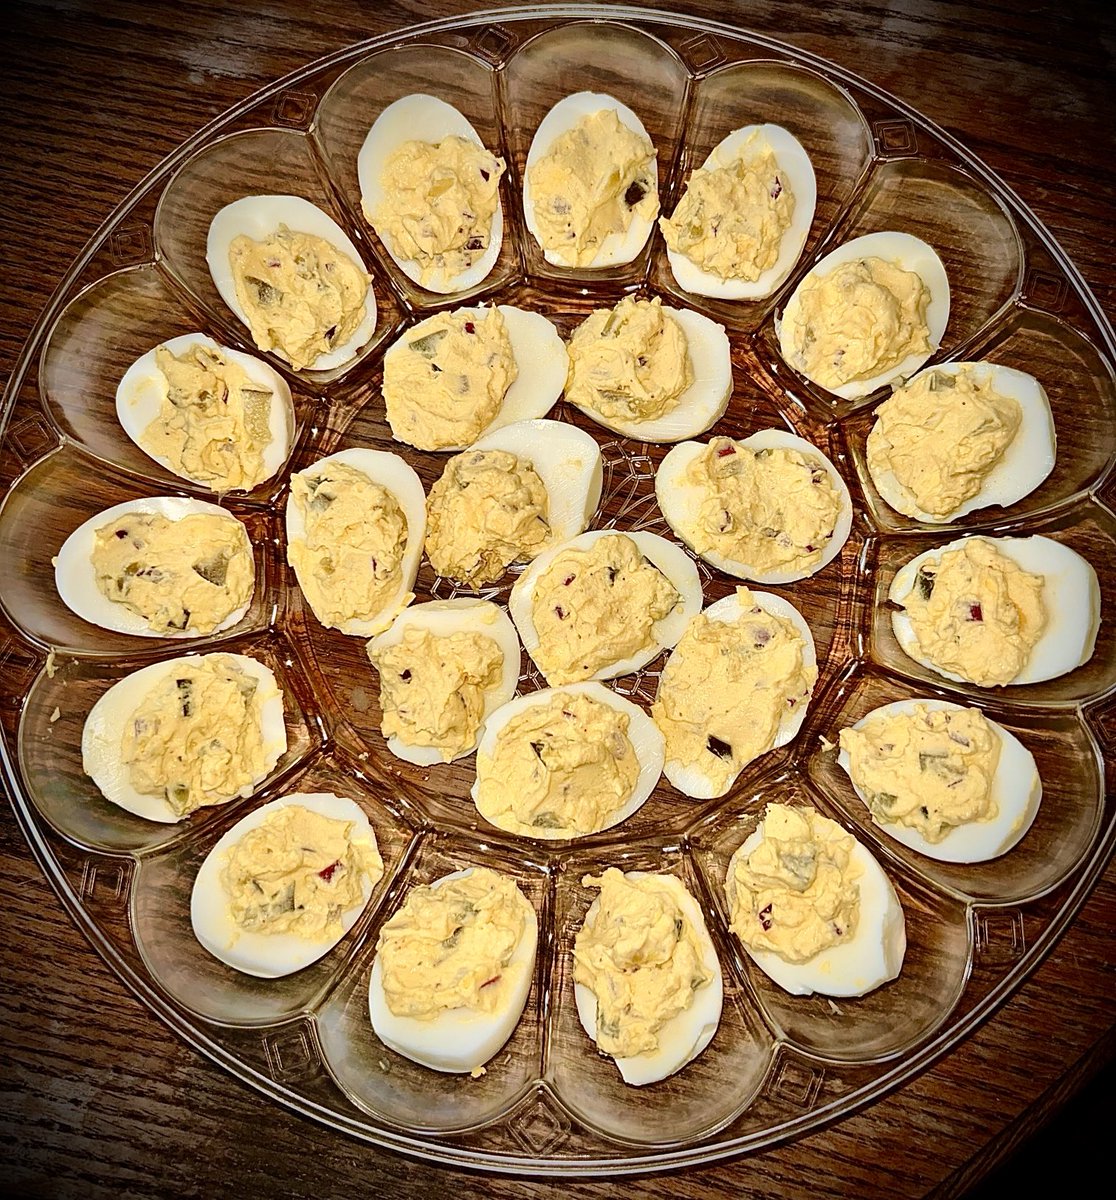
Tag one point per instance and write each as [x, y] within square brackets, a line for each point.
[494, 979]
[326, 873]
[764, 915]
[725, 451]
[975, 613]
[560, 611]
[568, 580]
[470, 327]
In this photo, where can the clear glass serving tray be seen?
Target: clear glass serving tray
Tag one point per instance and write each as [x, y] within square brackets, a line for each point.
[779, 1065]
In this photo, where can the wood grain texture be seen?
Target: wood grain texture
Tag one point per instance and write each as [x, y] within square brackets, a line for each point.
[98, 1097]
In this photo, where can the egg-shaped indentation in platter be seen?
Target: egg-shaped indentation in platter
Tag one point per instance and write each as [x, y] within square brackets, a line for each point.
[891, 272]
[186, 426]
[714, 250]
[318, 329]
[158, 566]
[712, 530]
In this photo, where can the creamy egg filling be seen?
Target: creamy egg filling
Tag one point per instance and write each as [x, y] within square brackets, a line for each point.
[298, 872]
[444, 385]
[728, 686]
[596, 606]
[731, 219]
[590, 183]
[349, 559]
[433, 689]
[929, 769]
[177, 575]
[449, 946]
[860, 319]
[488, 510]
[214, 422]
[629, 363]
[773, 509]
[940, 436]
[641, 957]
[196, 738]
[558, 769]
[301, 295]
[439, 199]
[976, 613]
[797, 893]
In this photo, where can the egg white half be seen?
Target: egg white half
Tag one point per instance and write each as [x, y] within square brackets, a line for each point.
[688, 778]
[616, 248]
[269, 955]
[1016, 790]
[1070, 594]
[458, 1040]
[400, 479]
[795, 166]
[143, 389]
[680, 502]
[670, 559]
[687, 1033]
[76, 580]
[259, 217]
[1027, 460]
[908, 252]
[443, 618]
[422, 118]
[102, 736]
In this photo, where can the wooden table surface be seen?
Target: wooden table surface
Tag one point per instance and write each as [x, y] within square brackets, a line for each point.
[101, 1099]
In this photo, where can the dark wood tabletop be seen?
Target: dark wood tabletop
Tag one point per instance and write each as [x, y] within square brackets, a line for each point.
[99, 1097]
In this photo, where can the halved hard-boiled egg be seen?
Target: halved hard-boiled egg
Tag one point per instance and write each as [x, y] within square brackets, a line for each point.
[159, 566]
[292, 275]
[960, 436]
[604, 603]
[566, 762]
[997, 610]
[355, 526]
[648, 372]
[207, 412]
[647, 982]
[735, 686]
[453, 970]
[769, 507]
[942, 779]
[740, 226]
[590, 188]
[185, 733]
[444, 667]
[812, 907]
[431, 191]
[285, 884]
[868, 313]
[460, 374]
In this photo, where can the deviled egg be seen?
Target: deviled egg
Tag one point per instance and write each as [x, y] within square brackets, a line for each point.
[453, 970]
[942, 779]
[514, 492]
[812, 908]
[292, 275]
[591, 187]
[769, 507]
[160, 566]
[566, 762]
[961, 436]
[285, 884]
[736, 686]
[997, 610]
[444, 667]
[355, 526]
[648, 372]
[604, 604]
[431, 191]
[744, 217]
[208, 413]
[185, 733]
[868, 313]
[647, 982]
[463, 373]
